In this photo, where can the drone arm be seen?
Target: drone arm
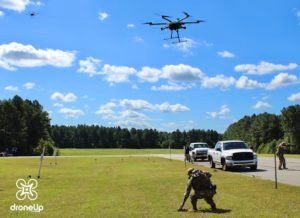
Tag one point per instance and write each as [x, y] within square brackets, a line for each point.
[158, 24]
[166, 18]
[193, 22]
[184, 18]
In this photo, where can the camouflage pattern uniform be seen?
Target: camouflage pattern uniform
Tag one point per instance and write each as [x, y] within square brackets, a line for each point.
[200, 182]
[280, 154]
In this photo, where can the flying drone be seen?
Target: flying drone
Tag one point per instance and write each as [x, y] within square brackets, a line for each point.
[32, 14]
[175, 25]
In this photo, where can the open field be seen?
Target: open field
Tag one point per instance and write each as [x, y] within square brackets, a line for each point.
[115, 151]
[127, 151]
[136, 187]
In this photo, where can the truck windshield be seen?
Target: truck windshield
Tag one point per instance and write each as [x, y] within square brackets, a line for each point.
[234, 145]
[200, 146]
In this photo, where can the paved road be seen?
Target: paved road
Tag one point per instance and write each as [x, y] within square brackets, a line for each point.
[265, 169]
[265, 166]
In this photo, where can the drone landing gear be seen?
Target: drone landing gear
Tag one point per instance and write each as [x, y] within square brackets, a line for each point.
[177, 37]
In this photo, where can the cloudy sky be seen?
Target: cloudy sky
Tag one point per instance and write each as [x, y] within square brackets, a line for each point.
[93, 62]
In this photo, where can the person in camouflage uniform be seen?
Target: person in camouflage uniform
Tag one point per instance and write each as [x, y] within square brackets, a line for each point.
[281, 148]
[200, 182]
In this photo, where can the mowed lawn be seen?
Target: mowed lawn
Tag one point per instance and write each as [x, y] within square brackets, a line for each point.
[127, 151]
[137, 187]
[115, 151]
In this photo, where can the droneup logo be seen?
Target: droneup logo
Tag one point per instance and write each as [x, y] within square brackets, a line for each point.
[27, 190]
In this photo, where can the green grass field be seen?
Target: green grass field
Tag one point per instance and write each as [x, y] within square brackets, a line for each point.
[115, 151]
[136, 187]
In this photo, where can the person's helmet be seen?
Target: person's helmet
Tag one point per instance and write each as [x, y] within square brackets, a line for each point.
[190, 171]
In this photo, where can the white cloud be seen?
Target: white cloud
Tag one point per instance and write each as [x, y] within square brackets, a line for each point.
[218, 81]
[14, 55]
[136, 104]
[124, 118]
[128, 112]
[139, 104]
[103, 16]
[15, 5]
[69, 97]
[11, 88]
[6, 66]
[264, 68]
[226, 54]
[149, 74]
[181, 73]
[167, 107]
[182, 125]
[89, 66]
[297, 14]
[130, 118]
[245, 83]
[134, 86]
[222, 113]
[185, 46]
[2, 13]
[138, 39]
[171, 87]
[294, 97]
[282, 79]
[71, 113]
[29, 85]
[130, 26]
[117, 74]
[261, 105]
[107, 111]
[58, 105]
[206, 44]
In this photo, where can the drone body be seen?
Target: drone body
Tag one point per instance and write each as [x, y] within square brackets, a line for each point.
[175, 25]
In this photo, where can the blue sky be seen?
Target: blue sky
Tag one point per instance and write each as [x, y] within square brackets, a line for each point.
[93, 62]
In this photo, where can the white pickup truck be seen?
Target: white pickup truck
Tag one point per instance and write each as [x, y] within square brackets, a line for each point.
[232, 153]
[198, 150]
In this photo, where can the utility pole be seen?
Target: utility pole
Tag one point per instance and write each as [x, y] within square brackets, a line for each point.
[275, 170]
[41, 162]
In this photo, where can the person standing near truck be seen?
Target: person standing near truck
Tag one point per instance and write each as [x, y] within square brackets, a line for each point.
[281, 149]
[187, 153]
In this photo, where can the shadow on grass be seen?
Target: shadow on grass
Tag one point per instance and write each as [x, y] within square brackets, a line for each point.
[218, 210]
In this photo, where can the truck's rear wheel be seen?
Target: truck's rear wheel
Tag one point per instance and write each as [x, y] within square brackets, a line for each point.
[212, 163]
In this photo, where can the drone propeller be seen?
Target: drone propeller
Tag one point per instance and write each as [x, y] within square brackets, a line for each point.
[186, 14]
[161, 15]
[148, 23]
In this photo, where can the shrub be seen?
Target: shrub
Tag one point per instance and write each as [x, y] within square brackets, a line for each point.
[49, 147]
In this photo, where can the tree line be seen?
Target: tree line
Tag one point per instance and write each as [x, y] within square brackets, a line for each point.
[23, 124]
[265, 131]
[94, 136]
[25, 129]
